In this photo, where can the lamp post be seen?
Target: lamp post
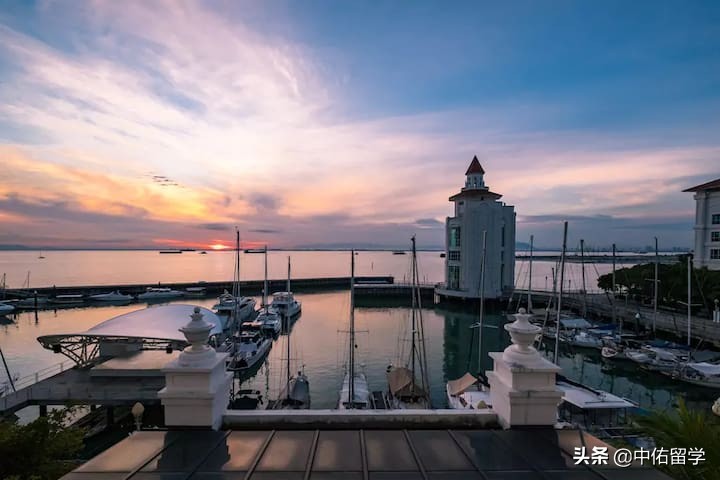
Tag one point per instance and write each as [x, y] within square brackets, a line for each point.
[137, 412]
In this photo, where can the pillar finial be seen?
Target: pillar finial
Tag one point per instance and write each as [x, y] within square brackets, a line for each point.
[197, 333]
[522, 334]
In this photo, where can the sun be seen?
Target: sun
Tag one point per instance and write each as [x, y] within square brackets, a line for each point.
[218, 246]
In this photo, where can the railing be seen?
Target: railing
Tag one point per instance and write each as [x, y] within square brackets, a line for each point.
[33, 378]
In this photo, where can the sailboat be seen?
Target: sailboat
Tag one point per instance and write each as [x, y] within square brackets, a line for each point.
[232, 306]
[40, 255]
[404, 390]
[295, 394]
[268, 319]
[468, 392]
[355, 385]
[284, 303]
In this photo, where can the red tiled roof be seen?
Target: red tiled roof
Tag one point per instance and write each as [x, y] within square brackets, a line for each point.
[475, 167]
[713, 185]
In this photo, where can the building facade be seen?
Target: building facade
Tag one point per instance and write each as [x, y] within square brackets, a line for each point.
[707, 225]
[477, 209]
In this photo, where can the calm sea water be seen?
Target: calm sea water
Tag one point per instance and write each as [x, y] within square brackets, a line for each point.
[317, 342]
[66, 268]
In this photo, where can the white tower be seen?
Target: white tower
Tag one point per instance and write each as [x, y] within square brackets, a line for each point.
[478, 209]
[707, 225]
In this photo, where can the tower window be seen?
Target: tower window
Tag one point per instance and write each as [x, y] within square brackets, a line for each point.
[715, 236]
[453, 278]
[716, 219]
[715, 254]
[454, 255]
[455, 236]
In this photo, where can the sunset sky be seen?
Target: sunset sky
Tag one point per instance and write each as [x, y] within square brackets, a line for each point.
[325, 123]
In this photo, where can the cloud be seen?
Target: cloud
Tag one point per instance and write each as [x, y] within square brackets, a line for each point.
[243, 126]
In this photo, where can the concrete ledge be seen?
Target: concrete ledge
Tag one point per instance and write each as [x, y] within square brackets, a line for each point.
[360, 419]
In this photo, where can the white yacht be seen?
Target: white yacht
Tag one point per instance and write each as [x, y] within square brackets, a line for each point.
[157, 293]
[270, 318]
[233, 307]
[284, 303]
[114, 296]
[271, 322]
[228, 305]
[354, 393]
[250, 347]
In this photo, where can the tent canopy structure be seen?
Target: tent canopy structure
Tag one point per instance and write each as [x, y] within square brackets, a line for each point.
[402, 383]
[456, 387]
[153, 327]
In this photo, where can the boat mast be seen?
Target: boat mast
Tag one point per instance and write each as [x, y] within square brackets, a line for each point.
[560, 292]
[412, 314]
[582, 266]
[482, 300]
[529, 299]
[614, 313]
[288, 280]
[689, 272]
[351, 373]
[236, 277]
[265, 284]
[655, 287]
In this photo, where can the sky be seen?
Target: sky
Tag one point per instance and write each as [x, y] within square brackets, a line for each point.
[325, 124]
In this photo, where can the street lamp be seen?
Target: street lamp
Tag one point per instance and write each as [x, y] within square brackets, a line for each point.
[137, 412]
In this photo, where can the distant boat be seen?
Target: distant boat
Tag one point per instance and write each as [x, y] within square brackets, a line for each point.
[115, 296]
[203, 252]
[398, 252]
[170, 251]
[254, 250]
[155, 293]
[5, 308]
[197, 292]
[40, 256]
[442, 255]
[67, 299]
[284, 303]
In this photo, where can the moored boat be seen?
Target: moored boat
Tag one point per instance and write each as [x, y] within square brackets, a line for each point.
[354, 391]
[702, 374]
[114, 296]
[75, 299]
[5, 308]
[159, 293]
[250, 348]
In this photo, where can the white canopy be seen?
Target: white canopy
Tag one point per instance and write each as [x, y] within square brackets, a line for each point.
[161, 322]
[456, 387]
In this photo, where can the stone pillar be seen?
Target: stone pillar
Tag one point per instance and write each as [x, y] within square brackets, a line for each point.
[197, 386]
[522, 382]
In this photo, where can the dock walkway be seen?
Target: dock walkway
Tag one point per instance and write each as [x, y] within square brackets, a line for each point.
[599, 305]
[76, 386]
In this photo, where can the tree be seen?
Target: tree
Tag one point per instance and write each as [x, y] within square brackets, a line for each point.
[42, 449]
[686, 429]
